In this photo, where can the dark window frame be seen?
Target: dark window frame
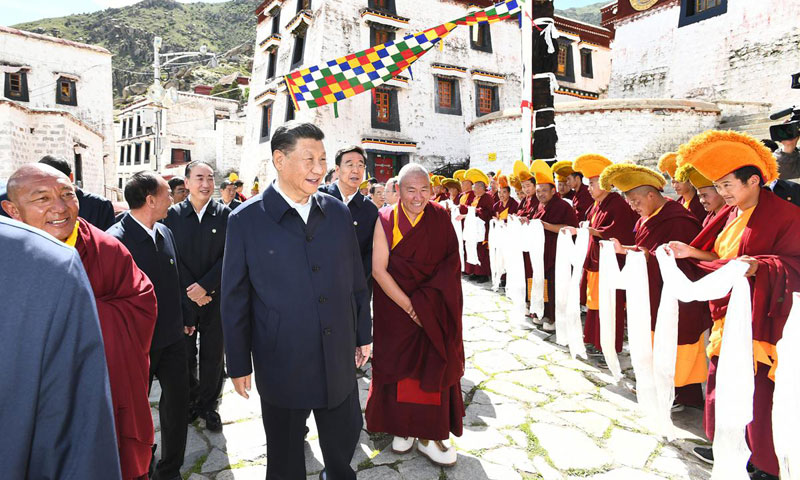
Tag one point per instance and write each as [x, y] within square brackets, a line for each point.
[129, 155]
[400, 160]
[569, 68]
[689, 17]
[276, 22]
[303, 5]
[146, 154]
[266, 122]
[495, 98]
[78, 169]
[272, 65]
[130, 127]
[587, 69]
[137, 158]
[455, 96]
[138, 124]
[393, 122]
[484, 43]
[299, 45]
[373, 36]
[187, 156]
[122, 155]
[72, 98]
[24, 95]
[124, 128]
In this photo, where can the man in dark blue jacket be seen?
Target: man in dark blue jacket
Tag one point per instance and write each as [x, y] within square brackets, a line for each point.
[198, 225]
[153, 249]
[350, 167]
[54, 391]
[295, 300]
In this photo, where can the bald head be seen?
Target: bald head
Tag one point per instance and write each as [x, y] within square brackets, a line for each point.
[44, 198]
[645, 200]
[412, 170]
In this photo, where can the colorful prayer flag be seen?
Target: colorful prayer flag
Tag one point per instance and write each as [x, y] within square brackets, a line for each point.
[356, 73]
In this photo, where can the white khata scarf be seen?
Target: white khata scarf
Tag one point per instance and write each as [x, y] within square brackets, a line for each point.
[785, 415]
[474, 232]
[454, 213]
[570, 256]
[498, 235]
[533, 239]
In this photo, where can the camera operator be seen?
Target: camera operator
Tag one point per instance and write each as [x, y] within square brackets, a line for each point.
[788, 156]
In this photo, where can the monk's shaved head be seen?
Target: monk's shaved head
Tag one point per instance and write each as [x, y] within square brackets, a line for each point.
[27, 174]
[645, 200]
[411, 170]
[44, 198]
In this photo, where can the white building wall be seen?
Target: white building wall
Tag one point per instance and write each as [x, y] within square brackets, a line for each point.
[49, 58]
[746, 54]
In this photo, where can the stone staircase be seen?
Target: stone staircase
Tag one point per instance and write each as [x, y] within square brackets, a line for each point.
[756, 125]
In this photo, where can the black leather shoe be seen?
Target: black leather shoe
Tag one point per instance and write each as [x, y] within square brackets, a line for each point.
[213, 422]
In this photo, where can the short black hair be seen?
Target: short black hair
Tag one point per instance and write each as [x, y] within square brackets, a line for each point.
[374, 186]
[490, 174]
[188, 171]
[744, 174]
[238, 183]
[140, 185]
[225, 184]
[175, 182]
[771, 144]
[286, 136]
[506, 188]
[329, 175]
[58, 163]
[349, 149]
[577, 174]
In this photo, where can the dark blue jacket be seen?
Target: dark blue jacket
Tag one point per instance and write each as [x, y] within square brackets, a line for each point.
[95, 209]
[160, 264]
[55, 401]
[364, 214]
[294, 297]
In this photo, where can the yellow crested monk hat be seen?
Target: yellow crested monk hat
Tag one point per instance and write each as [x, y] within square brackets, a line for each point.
[522, 172]
[502, 181]
[363, 185]
[562, 169]
[451, 182]
[459, 175]
[627, 176]
[436, 180]
[475, 175]
[514, 182]
[542, 173]
[233, 177]
[717, 153]
[591, 164]
[668, 163]
[687, 173]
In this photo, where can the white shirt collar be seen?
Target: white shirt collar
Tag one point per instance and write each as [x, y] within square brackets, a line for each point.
[304, 209]
[150, 231]
[772, 184]
[345, 199]
[202, 210]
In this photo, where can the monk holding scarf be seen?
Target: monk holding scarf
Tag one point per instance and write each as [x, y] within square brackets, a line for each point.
[482, 201]
[687, 192]
[418, 350]
[506, 205]
[710, 199]
[44, 198]
[464, 198]
[555, 213]
[757, 227]
[578, 193]
[526, 210]
[610, 217]
[661, 222]
[453, 189]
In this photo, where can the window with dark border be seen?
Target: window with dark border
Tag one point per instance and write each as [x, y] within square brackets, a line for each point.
[400, 160]
[79, 169]
[124, 128]
[298, 52]
[129, 155]
[266, 122]
[566, 65]
[16, 86]
[276, 22]
[387, 6]
[448, 96]
[138, 124]
[303, 5]
[180, 156]
[146, 152]
[65, 92]
[384, 110]
[586, 63]
[272, 65]
[130, 126]
[122, 155]
[693, 11]
[137, 159]
[483, 42]
[487, 99]
[378, 36]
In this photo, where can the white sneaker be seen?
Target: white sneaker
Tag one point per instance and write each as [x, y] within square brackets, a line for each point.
[402, 445]
[437, 452]
[548, 326]
[536, 320]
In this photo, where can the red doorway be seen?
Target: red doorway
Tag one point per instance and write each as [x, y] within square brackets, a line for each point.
[384, 168]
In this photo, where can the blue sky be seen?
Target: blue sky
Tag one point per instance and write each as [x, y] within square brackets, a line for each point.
[15, 11]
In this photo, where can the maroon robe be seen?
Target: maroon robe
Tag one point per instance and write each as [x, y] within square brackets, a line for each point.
[442, 197]
[709, 218]
[484, 211]
[126, 306]
[696, 207]
[512, 206]
[613, 218]
[557, 212]
[675, 223]
[425, 265]
[771, 237]
[582, 202]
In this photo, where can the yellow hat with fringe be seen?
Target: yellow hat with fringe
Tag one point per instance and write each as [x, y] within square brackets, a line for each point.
[687, 173]
[562, 169]
[521, 171]
[627, 176]
[668, 163]
[459, 175]
[364, 184]
[717, 153]
[542, 172]
[451, 182]
[591, 164]
[502, 180]
[233, 177]
[436, 180]
[514, 182]
[475, 175]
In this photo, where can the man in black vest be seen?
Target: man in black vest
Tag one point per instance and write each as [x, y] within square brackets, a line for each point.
[199, 224]
[296, 308]
[350, 167]
[153, 249]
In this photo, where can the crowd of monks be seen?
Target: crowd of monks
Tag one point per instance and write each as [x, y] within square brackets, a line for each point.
[724, 209]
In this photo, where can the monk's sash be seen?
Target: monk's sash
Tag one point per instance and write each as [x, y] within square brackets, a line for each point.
[570, 257]
[785, 414]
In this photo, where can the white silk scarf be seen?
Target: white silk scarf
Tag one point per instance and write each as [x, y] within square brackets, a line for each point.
[570, 256]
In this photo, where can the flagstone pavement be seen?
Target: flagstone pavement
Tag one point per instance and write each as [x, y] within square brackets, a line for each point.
[532, 412]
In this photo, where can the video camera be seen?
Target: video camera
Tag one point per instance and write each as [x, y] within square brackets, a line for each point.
[790, 129]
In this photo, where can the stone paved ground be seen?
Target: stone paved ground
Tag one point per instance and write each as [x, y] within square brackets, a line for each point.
[532, 413]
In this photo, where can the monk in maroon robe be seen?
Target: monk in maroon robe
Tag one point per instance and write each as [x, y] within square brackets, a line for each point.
[582, 200]
[526, 210]
[418, 350]
[484, 209]
[503, 208]
[661, 222]
[126, 303]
